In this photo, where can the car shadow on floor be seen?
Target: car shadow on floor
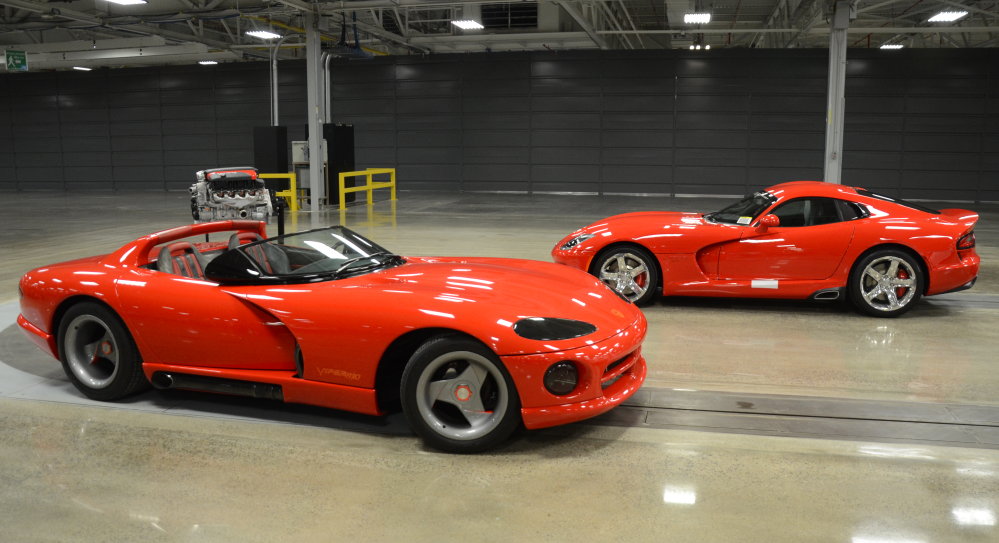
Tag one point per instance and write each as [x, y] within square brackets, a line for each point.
[926, 307]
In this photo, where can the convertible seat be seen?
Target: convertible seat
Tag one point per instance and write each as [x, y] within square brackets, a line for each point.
[271, 259]
[181, 258]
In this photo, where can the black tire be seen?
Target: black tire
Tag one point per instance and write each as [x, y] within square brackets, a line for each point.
[886, 283]
[98, 354]
[631, 271]
[458, 397]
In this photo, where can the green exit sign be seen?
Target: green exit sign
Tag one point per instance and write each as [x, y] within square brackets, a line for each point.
[17, 61]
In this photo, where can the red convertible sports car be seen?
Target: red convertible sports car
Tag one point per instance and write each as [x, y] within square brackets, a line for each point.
[803, 239]
[470, 348]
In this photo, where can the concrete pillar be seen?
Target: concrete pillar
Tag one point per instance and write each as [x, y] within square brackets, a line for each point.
[312, 61]
[843, 12]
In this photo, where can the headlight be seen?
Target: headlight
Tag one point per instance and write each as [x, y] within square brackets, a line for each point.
[551, 329]
[561, 378]
[575, 241]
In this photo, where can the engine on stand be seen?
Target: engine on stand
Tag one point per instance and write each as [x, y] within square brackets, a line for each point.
[230, 193]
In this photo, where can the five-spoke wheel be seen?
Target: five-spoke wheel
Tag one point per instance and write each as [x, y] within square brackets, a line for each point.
[886, 283]
[98, 353]
[631, 271]
[457, 395]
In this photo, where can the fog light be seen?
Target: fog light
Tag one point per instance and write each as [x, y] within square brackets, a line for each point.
[561, 378]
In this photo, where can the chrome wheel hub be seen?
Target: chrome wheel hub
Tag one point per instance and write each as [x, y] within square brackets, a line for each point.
[627, 274]
[888, 283]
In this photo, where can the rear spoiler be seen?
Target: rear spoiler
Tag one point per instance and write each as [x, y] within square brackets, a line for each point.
[963, 216]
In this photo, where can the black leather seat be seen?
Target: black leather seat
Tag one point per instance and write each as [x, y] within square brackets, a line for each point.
[181, 258]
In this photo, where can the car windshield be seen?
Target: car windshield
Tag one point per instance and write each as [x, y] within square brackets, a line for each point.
[327, 253]
[745, 210]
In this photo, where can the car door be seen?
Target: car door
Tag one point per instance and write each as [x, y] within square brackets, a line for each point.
[187, 321]
[809, 243]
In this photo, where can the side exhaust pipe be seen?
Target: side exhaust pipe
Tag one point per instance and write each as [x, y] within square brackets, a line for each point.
[230, 387]
[828, 294]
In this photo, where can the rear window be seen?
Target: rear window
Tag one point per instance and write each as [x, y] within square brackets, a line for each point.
[899, 201]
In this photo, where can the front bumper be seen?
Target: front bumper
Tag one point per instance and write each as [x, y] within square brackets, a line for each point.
[610, 372]
[578, 257]
[39, 337]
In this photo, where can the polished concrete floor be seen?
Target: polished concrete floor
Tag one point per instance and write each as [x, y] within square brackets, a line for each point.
[760, 420]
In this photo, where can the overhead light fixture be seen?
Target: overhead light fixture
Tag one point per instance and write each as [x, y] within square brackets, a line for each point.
[82, 68]
[468, 24]
[697, 18]
[892, 46]
[706, 47]
[947, 16]
[208, 62]
[127, 2]
[263, 34]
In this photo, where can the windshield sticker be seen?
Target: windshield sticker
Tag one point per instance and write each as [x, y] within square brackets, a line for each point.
[764, 283]
[745, 220]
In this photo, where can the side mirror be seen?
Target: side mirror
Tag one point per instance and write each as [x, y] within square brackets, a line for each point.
[768, 221]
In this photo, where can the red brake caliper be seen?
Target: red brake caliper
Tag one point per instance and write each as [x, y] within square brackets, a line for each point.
[900, 291]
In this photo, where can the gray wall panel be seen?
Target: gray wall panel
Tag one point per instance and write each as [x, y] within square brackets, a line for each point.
[662, 139]
[641, 156]
[36, 145]
[872, 160]
[501, 173]
[92, 145]
[662, 122]
[86, 159]
[35, 160]
[137, 158]
[562, 138]
[573, 156]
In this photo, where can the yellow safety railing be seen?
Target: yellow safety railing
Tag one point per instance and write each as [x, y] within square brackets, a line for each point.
[369, 185]
[291, 194]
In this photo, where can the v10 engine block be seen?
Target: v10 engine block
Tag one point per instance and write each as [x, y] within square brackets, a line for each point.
[230, 193]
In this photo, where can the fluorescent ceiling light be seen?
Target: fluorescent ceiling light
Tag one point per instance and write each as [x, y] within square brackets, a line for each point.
[468, 25]
[263, 34]
[892, 46]
[947, 16]
[82, 68]
[208, 62]
[127, 2]
[697, 18]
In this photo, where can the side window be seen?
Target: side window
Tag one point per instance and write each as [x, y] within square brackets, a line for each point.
[851, 210]
[808, 212]
[824, 211]
[793, 213]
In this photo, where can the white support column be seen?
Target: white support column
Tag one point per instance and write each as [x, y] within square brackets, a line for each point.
[316, 158]
[837, 91]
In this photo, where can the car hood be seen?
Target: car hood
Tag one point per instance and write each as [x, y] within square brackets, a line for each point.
[483, 297]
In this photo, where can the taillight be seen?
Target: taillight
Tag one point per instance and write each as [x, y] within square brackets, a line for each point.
[966, 242]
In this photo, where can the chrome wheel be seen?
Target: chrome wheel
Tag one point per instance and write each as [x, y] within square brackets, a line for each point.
[886, 283]
[458, 397]
[629, 271]
[91, 351]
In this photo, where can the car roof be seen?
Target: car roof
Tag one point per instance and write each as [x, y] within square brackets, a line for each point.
[797, 189]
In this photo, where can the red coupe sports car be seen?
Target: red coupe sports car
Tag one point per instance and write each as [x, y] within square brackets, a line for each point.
[804, 239]
[471, 348]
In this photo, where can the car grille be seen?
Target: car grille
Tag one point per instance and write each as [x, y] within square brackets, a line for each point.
[617, 368]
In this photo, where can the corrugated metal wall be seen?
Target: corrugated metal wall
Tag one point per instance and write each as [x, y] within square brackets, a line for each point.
[920, 123]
